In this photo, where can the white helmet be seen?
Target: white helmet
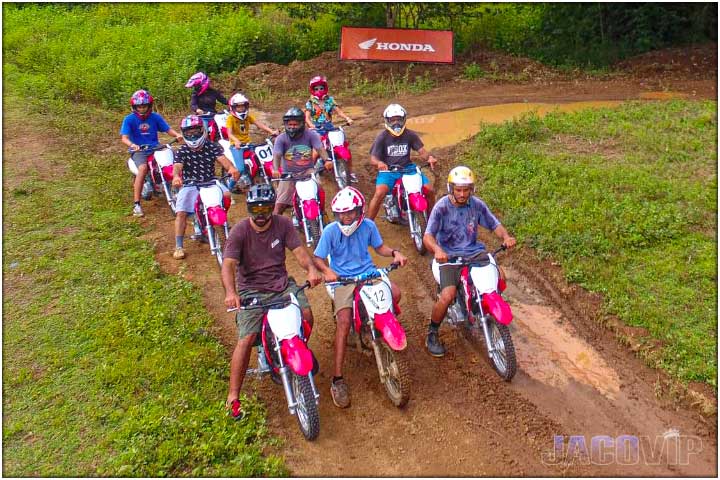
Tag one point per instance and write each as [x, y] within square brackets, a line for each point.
[398, 127]
[347, 200]
[237, 100]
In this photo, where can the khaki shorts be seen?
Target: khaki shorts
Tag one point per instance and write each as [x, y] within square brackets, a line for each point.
[250, 321]
[286, 190]
[343, 297]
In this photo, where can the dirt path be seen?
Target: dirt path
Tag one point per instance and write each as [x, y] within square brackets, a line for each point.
[462, 420]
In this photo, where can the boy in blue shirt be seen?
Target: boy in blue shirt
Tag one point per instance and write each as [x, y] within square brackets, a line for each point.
[141, 128]
[346, 241]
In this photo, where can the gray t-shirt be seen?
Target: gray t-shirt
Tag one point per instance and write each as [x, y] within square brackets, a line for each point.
[395, 150]
[296, 153]
[261, 255]
[455, 228]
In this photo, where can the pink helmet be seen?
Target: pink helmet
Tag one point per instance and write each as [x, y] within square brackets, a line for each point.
[321, 84]
[347, 200]
[141, 97]
[194, 139]
[200, 82]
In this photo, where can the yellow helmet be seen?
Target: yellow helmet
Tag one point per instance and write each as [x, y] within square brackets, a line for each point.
[460, 176]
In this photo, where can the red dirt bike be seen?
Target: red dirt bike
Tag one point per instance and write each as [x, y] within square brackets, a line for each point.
[338, 150]
[481, 311]
[375, 323]
[407, 203]
[257, 158]
[211, 219]
[160, 173]
[215, 133]
[308, 204]
[283, 339]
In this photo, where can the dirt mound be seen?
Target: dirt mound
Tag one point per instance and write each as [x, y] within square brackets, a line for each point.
[696, 62]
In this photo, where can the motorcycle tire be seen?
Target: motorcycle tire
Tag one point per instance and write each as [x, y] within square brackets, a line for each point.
[397, 381]
[306, 411]
[218, 240]
[419, 219]
[341, 175]
[503, 360]
[171, 196]
[314, 230]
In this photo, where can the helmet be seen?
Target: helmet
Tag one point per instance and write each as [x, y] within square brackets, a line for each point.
[347, 200]
[193, 139]
[260, 199]
[237, 100]
[200, 82]
[294, 114]
[141, 97]
[318, 81]
[398, 127]
[460, 176]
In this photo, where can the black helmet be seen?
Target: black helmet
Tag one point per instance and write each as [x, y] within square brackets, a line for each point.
[294, 114]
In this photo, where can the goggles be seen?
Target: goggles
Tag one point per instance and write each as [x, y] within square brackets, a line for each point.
[264, 210]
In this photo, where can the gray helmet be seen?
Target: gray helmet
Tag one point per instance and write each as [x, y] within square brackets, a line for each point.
[294, 114]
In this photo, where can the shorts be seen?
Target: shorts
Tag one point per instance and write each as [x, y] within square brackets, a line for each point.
[140, 158]
[286, 190]
[389, 178]
[250, 321]
[342, 297]
[187, 195]
[237, 160]
[450, 274]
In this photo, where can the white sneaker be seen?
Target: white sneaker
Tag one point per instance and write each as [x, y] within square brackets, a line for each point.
[138, 211]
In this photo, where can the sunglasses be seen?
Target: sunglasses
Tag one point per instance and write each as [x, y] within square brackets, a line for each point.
[318, 88]
[263, 210]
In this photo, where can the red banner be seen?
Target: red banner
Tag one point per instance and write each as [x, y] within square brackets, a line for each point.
[396, 45]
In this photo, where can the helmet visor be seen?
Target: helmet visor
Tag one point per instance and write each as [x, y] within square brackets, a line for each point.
[193, 134]
[264, 209]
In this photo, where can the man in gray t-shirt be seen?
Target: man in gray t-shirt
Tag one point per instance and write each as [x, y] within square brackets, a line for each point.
[452, 231]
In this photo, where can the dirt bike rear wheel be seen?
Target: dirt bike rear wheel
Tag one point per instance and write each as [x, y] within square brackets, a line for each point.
[420, 220]
[306, 411]
[397, 382]
[341, 176]
[503, 360]
[314, 230]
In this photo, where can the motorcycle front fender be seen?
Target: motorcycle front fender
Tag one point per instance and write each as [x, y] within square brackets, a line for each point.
[418, 203]
[391, 330]
[498, 308]
[342, 152]
[297, 355]
[168, 173]
[311, 209]
[217, 215]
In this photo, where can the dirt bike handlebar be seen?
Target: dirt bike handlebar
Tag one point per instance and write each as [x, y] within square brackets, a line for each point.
[253, 303]
[468, 261]
[206, 183]
[155, 148]
[365, 276]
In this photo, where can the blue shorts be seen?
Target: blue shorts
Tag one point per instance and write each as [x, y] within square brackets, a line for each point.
[187, 195]
[389, 178]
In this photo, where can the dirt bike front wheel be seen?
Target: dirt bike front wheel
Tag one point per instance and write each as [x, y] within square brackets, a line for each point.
[419, 222]
[503, 358]
[397, 374]
[171, 197]
[314, 231]
[216, 245]
[306, 411]
[341, 176]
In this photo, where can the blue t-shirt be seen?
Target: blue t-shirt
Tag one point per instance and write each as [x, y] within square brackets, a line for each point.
[455, 228]
[349, 256]
[144, 132]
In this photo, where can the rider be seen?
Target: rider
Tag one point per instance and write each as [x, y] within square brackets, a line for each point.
[452, 231]
[391, 148]
[141, 128]
[195, 162]
[294, 146]
[319, 110]
[204, 98]
[238, 128]
[254, 266]
[346, 241]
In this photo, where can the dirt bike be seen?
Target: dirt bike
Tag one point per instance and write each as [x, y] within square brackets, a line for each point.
[283, 339]
[160, 172]
[257, 158]
[211, 215]
[407, 203]
[338, 150]
[374, 321]
[308, 204]
[213, 128]
[481, 311]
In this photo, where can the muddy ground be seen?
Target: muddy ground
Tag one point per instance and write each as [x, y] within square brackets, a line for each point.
[575, 375]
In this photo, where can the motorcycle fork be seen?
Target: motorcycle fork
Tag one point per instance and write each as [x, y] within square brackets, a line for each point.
[484, 322]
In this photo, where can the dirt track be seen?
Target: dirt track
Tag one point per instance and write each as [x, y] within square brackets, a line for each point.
[574, 378]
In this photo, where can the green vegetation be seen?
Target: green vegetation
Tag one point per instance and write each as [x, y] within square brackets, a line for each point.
[625, 200]
[109, 369]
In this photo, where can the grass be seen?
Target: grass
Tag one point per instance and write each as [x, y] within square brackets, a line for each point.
[108, 366]
[626, 201]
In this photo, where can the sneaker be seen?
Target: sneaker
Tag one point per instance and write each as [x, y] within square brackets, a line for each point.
[235, 410]
[433, 344]
[340, 393]
[138, 211]
[179, 253]
[353, 178]
[199, 237]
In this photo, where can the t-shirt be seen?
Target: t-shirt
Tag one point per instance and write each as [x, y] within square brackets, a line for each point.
[321, 110]
[349, 256]
[144, 132]
[198, 165]
[455, 228]
[395, 151]
[240, 128]
[297, 153]
[207, 100]
[261, 255]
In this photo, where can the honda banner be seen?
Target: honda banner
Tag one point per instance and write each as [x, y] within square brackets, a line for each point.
[396, 45]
